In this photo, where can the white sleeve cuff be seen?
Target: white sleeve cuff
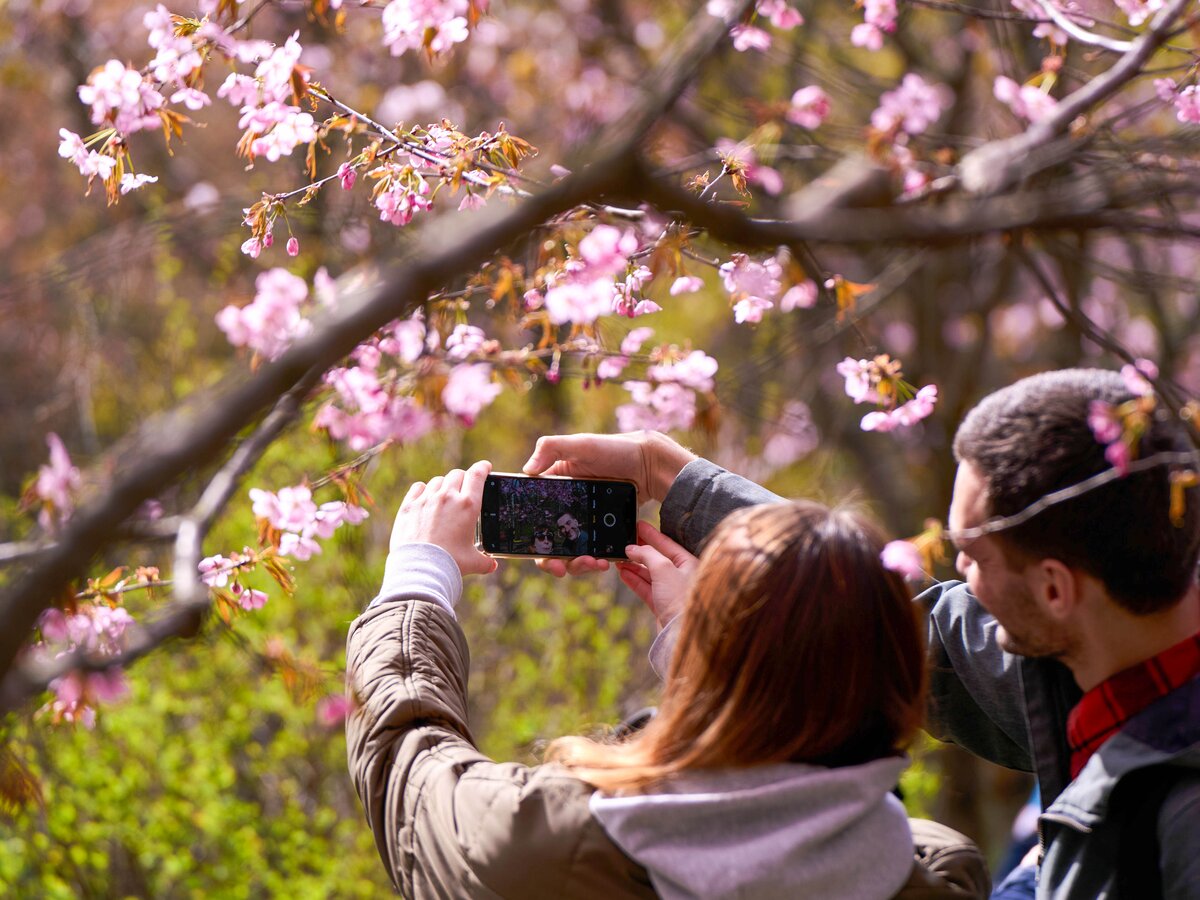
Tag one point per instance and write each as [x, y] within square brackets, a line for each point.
[420, 572]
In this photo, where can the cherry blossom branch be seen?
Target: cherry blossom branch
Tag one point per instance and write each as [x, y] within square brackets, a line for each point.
[185, 614]
[998, 165]
[1082, 34]
[446, 249]
[1001, 523]
[1075, 205]
[416, 149]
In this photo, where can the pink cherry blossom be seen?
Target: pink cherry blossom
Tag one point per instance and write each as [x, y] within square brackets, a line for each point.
[904, 558]
[333, 710]
[403, 199]
[661, 407]
[347, 175]
[1187, 105]
[696, 371]
[472, 200]
[469, 389]
[298, 547]
[611, 367]
[214, 570]
[780, 14]
[248, 598]
[192, 98]
[686, 284]
[71, 147]
[1138, 11]
[131, 182]
[582, 301]
[1026, 101]
[177, 58]
[746, 279]
[465, 340]
[1117, 453]
[869, 37]
[1105, 424]
[290, 129]
[799, 296]
[1136, 377]
[159, 23]
[905, 415]
[747, 37]
[239, 90]
[56, 484]
[270, 323]
[408, 23]
[810, 107]
[750, 310]
[606, 249]
[857, 373]
[633, 341]
[912, 107]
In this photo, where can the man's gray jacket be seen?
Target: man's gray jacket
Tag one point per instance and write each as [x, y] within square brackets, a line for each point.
[1013, 711]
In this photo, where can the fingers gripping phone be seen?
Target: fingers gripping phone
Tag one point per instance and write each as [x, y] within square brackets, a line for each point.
[524, 516]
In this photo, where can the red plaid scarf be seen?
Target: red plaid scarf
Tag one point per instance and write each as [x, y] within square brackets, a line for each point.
[1102, 711]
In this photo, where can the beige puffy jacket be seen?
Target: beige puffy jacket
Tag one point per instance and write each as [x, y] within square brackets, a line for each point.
[449, 822]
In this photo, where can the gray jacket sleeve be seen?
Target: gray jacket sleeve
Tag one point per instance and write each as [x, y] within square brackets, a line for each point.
[975, 690]
[975, 697]
[703, 494]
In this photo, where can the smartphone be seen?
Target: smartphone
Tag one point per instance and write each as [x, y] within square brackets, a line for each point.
[551, 515]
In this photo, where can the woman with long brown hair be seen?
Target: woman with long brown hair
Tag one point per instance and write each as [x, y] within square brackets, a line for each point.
[795, 685]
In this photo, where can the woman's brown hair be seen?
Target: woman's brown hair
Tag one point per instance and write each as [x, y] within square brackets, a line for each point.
[796, 644]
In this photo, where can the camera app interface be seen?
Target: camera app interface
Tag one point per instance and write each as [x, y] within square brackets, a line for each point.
[558, 516]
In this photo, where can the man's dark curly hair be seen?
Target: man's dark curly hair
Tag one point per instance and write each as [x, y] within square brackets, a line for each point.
[1032, 438]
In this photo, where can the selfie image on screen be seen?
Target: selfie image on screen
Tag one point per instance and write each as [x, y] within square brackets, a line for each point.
[543, 517]
[557, 517]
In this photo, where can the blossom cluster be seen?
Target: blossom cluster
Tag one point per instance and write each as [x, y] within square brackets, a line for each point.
[879, 18]
[435, 25]
[586, 286]
[748, 36]
[293, 512]
[754, 287]
[1046, 28]
[56, 485]
[272, 321]
[666, 400]
[1026, 101]
[1119, 428]
[1186, 101]
[880, 381]
[97, 629]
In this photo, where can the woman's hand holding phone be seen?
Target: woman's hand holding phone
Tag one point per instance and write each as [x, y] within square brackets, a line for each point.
[649, 459]
[659, 572]
[444, 512]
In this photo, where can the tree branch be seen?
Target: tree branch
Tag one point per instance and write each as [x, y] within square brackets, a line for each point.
[822, 217]
[445, 249]
[998, 165]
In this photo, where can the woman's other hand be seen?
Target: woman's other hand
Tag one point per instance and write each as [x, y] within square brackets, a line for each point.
[659, 571]
[444, 512]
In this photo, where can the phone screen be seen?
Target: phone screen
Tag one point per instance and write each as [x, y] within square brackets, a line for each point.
[557, 517]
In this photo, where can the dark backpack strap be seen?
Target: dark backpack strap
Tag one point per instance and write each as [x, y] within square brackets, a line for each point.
[1137, 800]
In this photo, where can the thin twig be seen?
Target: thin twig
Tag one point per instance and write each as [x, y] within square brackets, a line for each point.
[998, 165]
[1001, 523]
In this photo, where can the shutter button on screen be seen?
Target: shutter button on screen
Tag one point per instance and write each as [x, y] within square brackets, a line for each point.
[609, 520]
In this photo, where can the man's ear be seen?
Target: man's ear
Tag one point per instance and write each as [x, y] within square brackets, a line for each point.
[1056, 587]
